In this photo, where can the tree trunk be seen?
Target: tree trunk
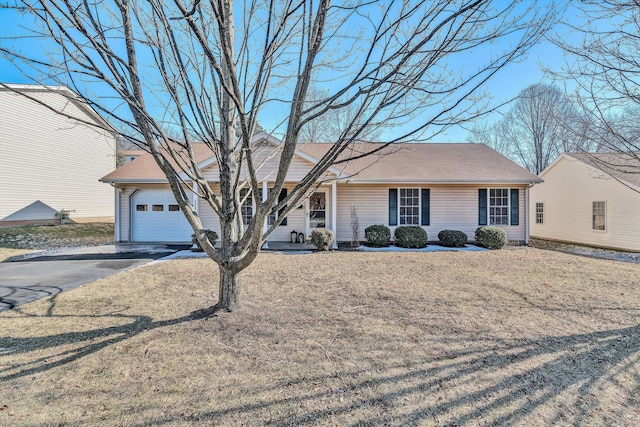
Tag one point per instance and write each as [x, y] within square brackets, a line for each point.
[229, 290]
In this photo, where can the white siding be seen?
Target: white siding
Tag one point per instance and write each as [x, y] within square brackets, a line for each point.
[452, 207]
[44, 156]
[568, 191]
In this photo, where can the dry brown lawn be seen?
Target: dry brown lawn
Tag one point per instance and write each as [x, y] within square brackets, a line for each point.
[513, 337]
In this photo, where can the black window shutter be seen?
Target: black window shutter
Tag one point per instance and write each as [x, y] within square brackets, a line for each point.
[424, 214]
[393, 206]
[281, 197]
[482, 206]
[515, 206]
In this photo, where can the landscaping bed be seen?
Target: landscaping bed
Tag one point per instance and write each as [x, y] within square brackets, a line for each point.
[512, 337]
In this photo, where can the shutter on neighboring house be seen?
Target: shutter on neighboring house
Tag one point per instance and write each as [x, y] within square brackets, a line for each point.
[482, 206]
[515, 206]
[281, 197]
[424, 215]
[393, 206]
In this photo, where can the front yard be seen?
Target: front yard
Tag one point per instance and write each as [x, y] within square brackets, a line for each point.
[519, 336]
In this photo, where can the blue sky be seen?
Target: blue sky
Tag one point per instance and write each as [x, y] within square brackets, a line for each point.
[506, 85]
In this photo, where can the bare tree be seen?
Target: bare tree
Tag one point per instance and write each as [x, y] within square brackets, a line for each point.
[541, 124]
[604, 62]
[212, 69]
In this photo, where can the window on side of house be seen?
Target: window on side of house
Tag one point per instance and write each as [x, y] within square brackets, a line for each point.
[246, 208]
[274, 215]
[539, 213]
[409, 206]
[599, 216]
[498, 206]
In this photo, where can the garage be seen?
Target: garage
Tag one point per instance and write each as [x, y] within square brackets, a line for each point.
[156, 217]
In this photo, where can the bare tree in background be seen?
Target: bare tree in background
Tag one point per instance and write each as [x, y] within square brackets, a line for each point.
[605, 64]
[541, 124]
[213, 69]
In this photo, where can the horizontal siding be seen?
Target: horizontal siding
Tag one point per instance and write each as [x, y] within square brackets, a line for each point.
[568, 191]
[451, 206]
[47, 157]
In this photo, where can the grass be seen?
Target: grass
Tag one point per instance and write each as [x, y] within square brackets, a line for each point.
[19, 240]
[514, 337]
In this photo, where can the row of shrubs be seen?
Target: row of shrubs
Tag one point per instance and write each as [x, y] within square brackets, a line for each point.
[413, 236]
[410, 236]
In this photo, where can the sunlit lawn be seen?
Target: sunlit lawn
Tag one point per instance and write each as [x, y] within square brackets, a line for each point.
[513, 337]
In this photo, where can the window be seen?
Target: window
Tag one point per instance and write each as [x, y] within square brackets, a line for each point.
[246, 208]
[157, 208]
[318, 210]
[599, 215]
[273, 216]
[141, 208]
[539, 213]
[409, 206]
[174, 208]
[498, 206]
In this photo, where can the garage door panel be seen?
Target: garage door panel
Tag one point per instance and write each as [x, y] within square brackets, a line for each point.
[154, 218]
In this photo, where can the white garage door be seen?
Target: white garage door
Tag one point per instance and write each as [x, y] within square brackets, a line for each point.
[156, 217]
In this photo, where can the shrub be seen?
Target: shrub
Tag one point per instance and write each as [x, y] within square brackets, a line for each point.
[377, 235]
[491, 237]
[322, 239]
[410, 236]
[211, 235]
[452, 238]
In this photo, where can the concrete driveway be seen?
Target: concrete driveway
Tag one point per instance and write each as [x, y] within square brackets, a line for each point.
[41, 276]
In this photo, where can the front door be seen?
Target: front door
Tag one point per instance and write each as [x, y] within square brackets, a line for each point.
[318, 210]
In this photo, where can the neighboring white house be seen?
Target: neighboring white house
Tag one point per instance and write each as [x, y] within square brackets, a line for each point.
[589, 199]
[436, 186]
[50, 162]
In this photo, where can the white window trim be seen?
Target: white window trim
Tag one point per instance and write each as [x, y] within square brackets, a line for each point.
[508, 206]
[419, 206]
[542, 213]
[605, 217]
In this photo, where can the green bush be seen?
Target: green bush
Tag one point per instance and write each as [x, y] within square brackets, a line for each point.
[377, 235]
[410, 236]
[452, 238]
[491, 237]
[211, 235]
[322, 239]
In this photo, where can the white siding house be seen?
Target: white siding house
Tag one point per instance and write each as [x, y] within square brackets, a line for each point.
[51, 159]
[589, 199]
[435, 186]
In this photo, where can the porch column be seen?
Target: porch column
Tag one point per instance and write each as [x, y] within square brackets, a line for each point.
[265, 194]
[117, 192]
[526, 216]
[196, 206]
[334, 213]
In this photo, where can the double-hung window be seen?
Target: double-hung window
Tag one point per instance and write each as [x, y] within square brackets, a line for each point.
[498, 206]
[599, 216]
[539, 213]
[246, 207]
[409, 206]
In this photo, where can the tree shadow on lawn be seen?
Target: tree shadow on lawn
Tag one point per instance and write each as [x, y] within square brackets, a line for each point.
[520, 375]
[94, 340]
[586, 362]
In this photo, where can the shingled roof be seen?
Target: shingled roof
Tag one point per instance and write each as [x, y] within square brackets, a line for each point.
[407, 162]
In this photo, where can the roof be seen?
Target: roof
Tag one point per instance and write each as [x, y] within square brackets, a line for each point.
[428, 163]
[622, 166]
[406, 162]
